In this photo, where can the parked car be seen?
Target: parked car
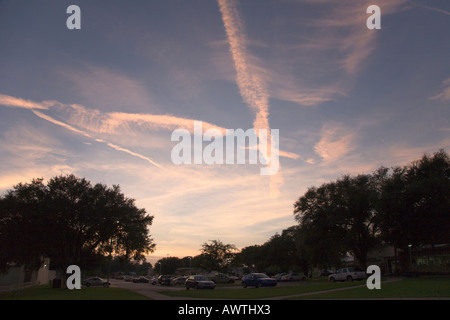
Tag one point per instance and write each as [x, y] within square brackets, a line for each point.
[293, 277]
[199, 282]
[347, 274]
[222, 278]
[127, 278]
[278, 276]
[178, 281]
[258, 280]
[154, 280]
[95, 282]
[141, 280]
[164, 280]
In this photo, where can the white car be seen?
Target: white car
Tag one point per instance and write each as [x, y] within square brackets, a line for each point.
[278, 276]
[347, 274]
[95, 281]
[293, 277]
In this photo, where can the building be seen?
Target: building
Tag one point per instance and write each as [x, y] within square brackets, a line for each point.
[424, 259]
[18, 276]
[386, 258]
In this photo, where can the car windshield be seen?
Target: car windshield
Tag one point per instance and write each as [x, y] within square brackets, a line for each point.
[260, 275]
[201, 278]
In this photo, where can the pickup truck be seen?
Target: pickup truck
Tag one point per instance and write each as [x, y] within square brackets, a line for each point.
[347, 274]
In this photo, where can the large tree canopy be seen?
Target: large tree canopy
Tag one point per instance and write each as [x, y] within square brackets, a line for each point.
[407, 205]
[341, 215]
[216, 255]
[71, 221]
[414, 208]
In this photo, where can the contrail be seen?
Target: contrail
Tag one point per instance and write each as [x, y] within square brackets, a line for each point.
[21, 103]
[86, 122]
[251, 85]
[433, 9]
[248, 78]
[116, 147]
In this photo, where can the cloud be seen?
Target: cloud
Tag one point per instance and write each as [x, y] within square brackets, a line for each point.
[335, 142]
[106, 88]
[120, 119]
[59, 123]
[90, 122]
[445, 94]
[250, 80]
[248, 76]
[329, 55]
[114, 146]
[20, 103]
[216, 199]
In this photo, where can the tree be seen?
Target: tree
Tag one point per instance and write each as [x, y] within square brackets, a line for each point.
[318, 225]
[281, 252]
[252, 257]
[340, 216]
[402, 206]
[217, 255]
[415, 203]
[168, 265]
[20, 223]
[71, 221]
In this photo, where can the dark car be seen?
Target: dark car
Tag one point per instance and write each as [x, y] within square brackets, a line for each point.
[199, 282]
[141, 280]
[164, 280]
[95, 281]
[258, 280]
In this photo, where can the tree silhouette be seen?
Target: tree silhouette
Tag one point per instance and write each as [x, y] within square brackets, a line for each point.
[70, 221]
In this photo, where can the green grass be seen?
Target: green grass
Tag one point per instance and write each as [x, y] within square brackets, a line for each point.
[426, 287]
[419, 288]
[258, 293]
[44, 292]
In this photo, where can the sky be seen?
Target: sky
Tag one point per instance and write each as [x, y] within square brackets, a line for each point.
[102, 102]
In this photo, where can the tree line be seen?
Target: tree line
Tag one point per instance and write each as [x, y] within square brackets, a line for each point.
[72, 221]
[403, 207]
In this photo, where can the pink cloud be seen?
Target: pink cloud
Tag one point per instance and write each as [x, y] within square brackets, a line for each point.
[335, 142]
[20, 103]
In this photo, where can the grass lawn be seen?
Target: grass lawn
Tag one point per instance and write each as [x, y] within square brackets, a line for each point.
[258, 293]
[419, 288]
[426, 287]
[44, 292]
